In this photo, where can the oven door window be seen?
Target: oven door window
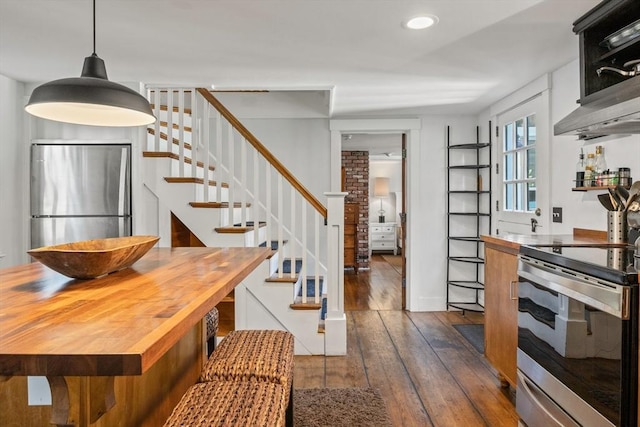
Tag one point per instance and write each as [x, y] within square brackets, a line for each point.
[576, 343]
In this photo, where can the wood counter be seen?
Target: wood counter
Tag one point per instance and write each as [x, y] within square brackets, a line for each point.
[123, 324]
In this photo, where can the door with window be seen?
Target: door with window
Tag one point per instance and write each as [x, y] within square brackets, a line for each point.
[523, 169]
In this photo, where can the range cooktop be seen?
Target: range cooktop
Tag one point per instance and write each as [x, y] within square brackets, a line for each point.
[614, 263]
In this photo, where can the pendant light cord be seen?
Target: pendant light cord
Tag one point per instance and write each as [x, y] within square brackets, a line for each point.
[94, 27]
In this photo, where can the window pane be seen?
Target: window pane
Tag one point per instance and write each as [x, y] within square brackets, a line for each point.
[508, 196]
[531, 129]
[519, 196]
[508, 137]
[519, 165]
[531, 163]
[531, 196]
[519, 133]
[508, 167]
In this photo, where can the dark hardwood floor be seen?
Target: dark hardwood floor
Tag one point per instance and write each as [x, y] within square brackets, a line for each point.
[427, 373]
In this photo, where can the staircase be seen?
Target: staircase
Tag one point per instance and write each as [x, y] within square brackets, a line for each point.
[207, 170]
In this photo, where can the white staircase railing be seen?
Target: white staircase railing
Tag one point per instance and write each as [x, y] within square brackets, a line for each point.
[258, 185]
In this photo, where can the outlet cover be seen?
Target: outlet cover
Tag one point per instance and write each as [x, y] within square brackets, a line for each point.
[557, 214]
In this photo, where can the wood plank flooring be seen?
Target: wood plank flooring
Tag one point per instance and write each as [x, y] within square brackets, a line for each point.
[427, 373]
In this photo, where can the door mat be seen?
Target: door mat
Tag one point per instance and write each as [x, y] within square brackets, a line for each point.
[474, 333]
[339, 407]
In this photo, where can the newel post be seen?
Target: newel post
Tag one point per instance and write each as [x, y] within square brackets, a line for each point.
[335, 322]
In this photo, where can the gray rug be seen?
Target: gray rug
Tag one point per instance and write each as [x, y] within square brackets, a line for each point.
[339, 407]
[474, 333]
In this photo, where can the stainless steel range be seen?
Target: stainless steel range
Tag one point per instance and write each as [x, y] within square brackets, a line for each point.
[577, 336]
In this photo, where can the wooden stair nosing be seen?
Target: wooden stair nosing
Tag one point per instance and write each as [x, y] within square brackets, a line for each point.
[286, 278]
[218, 205]
[192, 180]
[175, 109]
[305, 306]
[271, 254]
[175, 126]
[164, 136]
[174, 156]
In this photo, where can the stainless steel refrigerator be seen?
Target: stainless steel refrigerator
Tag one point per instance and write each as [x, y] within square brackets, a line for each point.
[79, 192]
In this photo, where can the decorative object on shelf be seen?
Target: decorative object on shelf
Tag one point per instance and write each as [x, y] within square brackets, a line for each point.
[89, 259]
[381, 190]
[90, 99]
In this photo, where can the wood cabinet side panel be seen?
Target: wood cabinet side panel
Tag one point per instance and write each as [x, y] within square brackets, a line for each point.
[501, 312]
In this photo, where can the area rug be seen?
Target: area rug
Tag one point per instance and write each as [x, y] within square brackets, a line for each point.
[395, 261]
[339, 407]
[474, 333]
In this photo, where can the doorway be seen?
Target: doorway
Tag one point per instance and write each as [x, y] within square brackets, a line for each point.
[411, 128]
[382, 206]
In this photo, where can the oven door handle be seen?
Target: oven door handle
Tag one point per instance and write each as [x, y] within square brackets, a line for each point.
[527, 386]
[610, 298]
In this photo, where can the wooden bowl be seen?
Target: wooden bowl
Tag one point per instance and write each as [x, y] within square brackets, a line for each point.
[89, 259]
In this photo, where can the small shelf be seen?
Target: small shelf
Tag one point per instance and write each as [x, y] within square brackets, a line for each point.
[466, 239]
[469, 192]
[598, 188]
[468, 259]
[469, 166]
[468, 284]
[469, 213]
[465, 306]
[470, 146]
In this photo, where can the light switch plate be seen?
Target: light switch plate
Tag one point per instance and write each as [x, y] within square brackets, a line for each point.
[557, 214]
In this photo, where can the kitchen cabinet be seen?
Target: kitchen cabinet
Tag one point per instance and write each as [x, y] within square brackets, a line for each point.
[351, 218]
[607, 36]
[468, 215]
[501, 309]
[383, 237]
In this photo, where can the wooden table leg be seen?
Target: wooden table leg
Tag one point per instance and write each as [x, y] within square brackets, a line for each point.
[92, 398]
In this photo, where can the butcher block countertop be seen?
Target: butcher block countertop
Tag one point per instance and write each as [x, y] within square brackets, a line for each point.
[119, 324]
[578, 238]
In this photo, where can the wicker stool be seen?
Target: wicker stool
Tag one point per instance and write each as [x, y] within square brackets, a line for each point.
[212, 318]
[254, 356]
[230, 403]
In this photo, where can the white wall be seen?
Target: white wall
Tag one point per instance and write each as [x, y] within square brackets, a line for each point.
[391, 169]
[14, 184]
[427, 219]
[581, 209]
[302, 145]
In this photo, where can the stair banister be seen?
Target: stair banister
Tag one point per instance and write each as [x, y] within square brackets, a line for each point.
[263, 150]
[180, 131]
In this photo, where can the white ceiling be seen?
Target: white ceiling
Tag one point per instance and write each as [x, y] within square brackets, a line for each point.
[480, 51]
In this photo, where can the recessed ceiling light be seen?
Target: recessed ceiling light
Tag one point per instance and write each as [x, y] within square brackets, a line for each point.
[421, 22]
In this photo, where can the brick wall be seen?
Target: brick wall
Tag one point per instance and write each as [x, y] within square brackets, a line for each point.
[356, 183]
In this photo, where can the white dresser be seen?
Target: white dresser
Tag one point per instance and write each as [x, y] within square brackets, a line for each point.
[383, 237]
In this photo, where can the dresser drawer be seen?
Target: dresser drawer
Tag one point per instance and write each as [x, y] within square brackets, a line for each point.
[383, 229]
[383, 236]
[382, 245]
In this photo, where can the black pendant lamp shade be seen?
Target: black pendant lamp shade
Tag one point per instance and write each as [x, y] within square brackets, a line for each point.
[90, 99]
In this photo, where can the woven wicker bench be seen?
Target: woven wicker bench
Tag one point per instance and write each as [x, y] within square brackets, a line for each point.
[255, 356]
[212, 319]
[230, 403]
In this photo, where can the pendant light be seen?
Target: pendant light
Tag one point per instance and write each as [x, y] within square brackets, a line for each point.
[90, 99]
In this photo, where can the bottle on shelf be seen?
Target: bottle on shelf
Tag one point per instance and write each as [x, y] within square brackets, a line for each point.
[580, 170]
[601, 163]
[590, 170]
[600, 166]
